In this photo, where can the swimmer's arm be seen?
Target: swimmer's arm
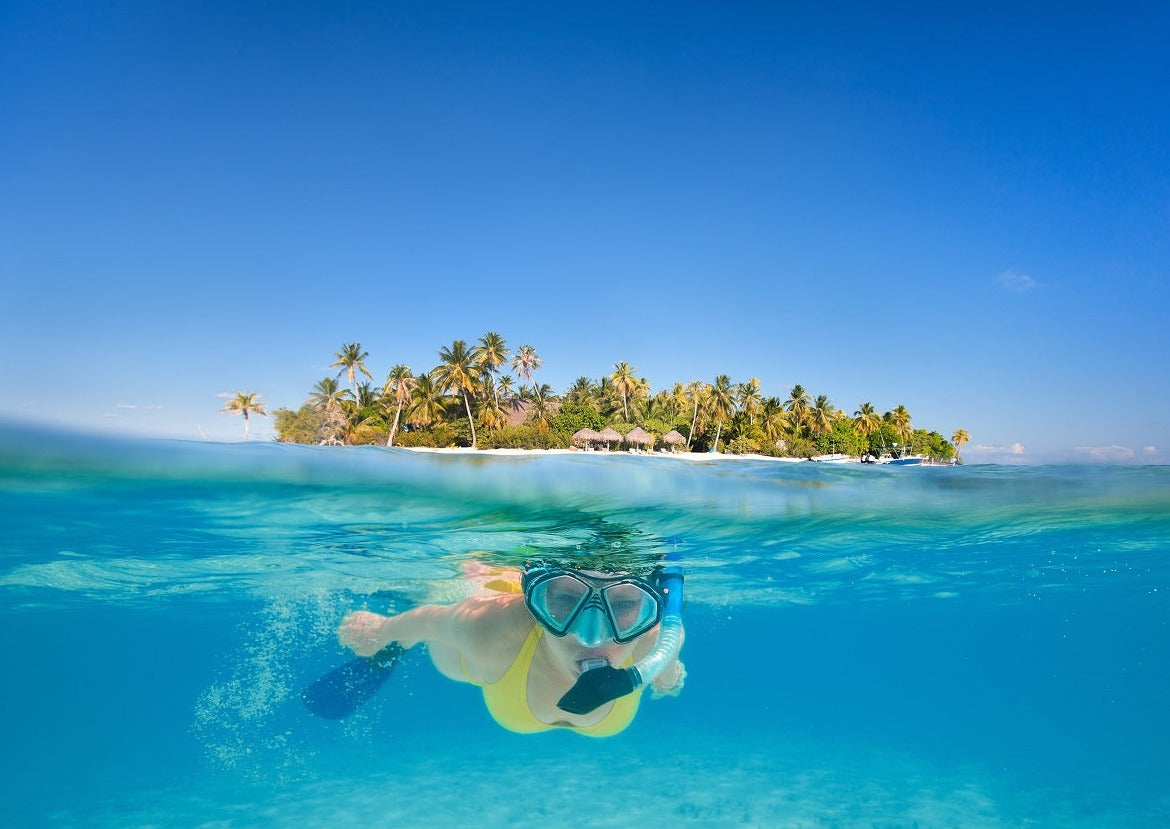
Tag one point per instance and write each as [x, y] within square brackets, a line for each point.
[366, 633]
[456, 626]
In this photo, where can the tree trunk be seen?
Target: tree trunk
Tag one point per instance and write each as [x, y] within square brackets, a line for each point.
[694, 420]
[394, 428]
[470, 420]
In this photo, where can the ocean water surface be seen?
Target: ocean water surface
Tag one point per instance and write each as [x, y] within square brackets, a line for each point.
[974, 646]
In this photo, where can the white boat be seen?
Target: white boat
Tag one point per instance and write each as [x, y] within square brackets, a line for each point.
[835, 457]
[897, 458]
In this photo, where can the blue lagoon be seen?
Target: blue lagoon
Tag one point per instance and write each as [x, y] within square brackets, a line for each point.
[974, 646]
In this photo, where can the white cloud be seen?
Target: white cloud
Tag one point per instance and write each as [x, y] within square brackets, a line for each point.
[993, 453]
[1016, 448]
[1107, 453]
[127, 406]
[1149, 450]
[1017, 283]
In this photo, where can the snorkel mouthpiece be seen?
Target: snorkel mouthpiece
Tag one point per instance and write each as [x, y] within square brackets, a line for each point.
[590, 664]
[598, 685]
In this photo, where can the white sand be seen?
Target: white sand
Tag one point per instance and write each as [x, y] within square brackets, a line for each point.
[720, 782]
[684, 456]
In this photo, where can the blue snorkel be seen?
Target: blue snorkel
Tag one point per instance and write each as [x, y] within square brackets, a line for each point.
[597, 686]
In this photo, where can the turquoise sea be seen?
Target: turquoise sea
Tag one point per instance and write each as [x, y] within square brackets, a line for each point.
[977, 646]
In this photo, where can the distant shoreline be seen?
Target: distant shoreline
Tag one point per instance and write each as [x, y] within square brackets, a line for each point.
[469, 398]
[699, 457]
[690, 457]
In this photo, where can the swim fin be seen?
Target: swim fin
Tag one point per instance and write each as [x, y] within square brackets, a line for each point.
[343, 690]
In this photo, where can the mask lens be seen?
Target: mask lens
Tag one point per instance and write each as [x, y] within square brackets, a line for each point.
[633, 608]
[557, 600]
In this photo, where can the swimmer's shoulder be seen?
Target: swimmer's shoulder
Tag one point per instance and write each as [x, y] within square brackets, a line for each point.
[493, 627]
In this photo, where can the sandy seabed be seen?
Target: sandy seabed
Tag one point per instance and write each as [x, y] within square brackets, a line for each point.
[576, 783]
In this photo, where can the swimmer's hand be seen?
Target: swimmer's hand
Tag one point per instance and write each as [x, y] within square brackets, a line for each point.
[364, 632]
[669, 683]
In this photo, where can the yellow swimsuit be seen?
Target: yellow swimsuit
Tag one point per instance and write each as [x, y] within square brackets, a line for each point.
[507, 699]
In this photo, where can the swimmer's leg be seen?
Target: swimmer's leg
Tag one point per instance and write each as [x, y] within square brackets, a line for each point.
[345, 689]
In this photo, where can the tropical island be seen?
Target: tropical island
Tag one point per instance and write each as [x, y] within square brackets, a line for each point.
[469, 399]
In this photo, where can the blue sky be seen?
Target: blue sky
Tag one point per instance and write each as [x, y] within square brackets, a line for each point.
[965, 212]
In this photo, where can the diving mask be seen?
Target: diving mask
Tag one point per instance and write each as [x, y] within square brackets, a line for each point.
[595, 608]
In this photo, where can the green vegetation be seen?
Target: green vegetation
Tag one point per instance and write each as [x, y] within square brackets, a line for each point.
[468, 400]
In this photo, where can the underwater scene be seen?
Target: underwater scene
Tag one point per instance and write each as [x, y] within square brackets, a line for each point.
[967, 646]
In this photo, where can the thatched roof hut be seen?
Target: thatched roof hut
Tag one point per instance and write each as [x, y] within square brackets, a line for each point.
[610, 435]
[639, 436]
[587, 435]
[673, 438]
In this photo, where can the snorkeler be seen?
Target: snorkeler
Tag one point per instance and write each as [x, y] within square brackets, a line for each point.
[563, 648]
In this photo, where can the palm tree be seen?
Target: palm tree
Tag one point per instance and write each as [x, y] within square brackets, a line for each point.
[491, 413]
[696, 393]
[625, 384]
[364, 409]
[750, 401]
[245, 403]
[640, 398]
[330, 398]
[721, 402]
[351, 358]
[774, 419]
[490, 353]
[581, 393]
[899, 418]
[400, 385]
[608, 400]
[508, 401]
[959, 438]
[327, 394]
[426, 402]
[866, 420]
[457, 372]
[678, 400]
[366, 397]
[660, 410]
[822, 415]
[525, 362]
[798, 406]
[541, 412]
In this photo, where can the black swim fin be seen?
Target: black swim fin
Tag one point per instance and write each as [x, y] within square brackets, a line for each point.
[343, 690]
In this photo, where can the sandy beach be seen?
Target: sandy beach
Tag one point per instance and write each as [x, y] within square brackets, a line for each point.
[697, 457]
